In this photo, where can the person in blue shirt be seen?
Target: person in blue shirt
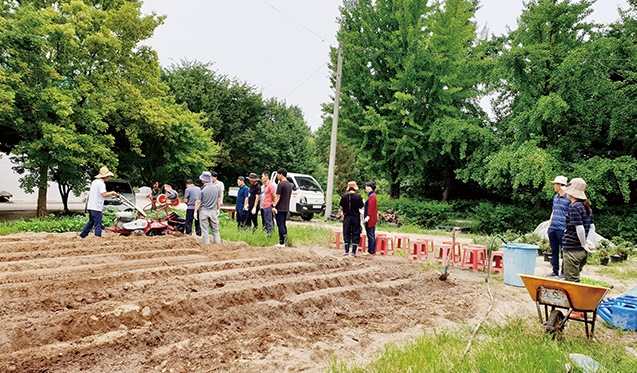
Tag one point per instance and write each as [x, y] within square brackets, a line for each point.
[557, 225]
[242, 203]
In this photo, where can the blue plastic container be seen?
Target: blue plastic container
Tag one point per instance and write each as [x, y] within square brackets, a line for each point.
[518, 258]
[620, 312]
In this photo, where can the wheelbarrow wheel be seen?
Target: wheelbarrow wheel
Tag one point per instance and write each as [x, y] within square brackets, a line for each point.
[554, 323]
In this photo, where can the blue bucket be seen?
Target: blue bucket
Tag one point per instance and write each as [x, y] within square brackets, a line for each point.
[518, 258]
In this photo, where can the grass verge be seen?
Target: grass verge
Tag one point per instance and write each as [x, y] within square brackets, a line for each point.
[297, 234]
[516, 345]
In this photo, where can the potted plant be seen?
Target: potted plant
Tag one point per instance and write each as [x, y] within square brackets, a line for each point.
[620, 250]
[545, 249]
[603, 252]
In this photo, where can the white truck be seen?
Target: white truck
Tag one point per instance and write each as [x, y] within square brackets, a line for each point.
[307, 196]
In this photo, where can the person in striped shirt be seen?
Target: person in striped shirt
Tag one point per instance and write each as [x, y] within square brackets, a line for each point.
[557, 225]
[580, 227]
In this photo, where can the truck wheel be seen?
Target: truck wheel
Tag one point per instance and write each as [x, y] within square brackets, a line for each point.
[307, 217]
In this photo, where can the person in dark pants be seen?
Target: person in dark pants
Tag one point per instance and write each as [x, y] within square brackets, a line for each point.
[580, 228]
[557, 225]
[191, 196]
[351, 203]
[253, 201]
[282, 205]
[242, 203]
[370, 216]
[95, 203]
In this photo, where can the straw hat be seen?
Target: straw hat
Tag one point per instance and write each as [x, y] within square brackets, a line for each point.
[205, 177]
[253, 177]
[576, 188]
[352, 184]
[104, 172]
[560, 180]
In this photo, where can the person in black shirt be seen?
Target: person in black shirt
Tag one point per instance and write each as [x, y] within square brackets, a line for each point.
[253, 201]
[282, 205]
[351, 203]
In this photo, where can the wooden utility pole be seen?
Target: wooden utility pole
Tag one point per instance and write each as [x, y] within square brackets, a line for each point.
[337, 102]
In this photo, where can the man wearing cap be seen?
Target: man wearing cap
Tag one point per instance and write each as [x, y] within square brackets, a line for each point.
[209, 209]
[351, 203]
[242, 202]
[253, 201]
[192, 199]
[557, 224]
[95, 204]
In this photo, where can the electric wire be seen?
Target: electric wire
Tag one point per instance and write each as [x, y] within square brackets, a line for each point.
[306, 79]
[295, 21]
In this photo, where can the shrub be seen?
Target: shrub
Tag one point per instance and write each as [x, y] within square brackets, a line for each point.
[500, 218]
[424, 213]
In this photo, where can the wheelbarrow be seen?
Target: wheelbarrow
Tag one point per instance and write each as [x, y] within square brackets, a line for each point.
[571, 296]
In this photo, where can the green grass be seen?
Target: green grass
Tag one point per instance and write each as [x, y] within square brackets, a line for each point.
[620, 271]
[51, 224]
[515, 345]
[298, 235]
[589, 281]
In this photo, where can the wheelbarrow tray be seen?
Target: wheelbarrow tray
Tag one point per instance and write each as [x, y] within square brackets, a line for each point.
[571, 296]
[584, 297]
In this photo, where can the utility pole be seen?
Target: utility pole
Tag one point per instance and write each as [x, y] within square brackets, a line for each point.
[337, 102]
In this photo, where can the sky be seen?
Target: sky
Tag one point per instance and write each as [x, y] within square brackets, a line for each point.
[281, 47]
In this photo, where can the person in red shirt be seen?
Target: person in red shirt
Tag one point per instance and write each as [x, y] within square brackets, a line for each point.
[370, 217]
[268, 200]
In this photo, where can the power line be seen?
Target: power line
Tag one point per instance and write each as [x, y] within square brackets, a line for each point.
[295, 21]
[306, 79]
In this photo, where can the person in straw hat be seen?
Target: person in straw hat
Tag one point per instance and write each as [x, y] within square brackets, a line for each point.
[557, 224]
[95, 203]
[351, 203]
[580, 227]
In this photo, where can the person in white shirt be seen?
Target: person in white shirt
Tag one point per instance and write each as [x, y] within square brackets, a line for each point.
[96, 202]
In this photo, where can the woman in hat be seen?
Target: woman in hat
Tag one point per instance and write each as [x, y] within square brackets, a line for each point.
[351, 203]
[580, 226]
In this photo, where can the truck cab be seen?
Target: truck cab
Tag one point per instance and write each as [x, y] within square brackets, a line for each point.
[307, 196]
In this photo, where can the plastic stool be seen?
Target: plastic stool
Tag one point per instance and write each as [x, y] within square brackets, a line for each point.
[382, 245]
[474, 256]
[429, 245]
[418, 250]
[402, 242]
[498, 257]
[442, 253]
[456, 253]
[338, 239]
[362, 243]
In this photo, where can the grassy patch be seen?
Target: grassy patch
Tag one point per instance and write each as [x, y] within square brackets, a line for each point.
[298, 235]
[620, 271]
[51, 224]
[513, 346]
[589, 281]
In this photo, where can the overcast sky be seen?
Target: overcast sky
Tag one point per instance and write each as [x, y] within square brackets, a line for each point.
[282, 46]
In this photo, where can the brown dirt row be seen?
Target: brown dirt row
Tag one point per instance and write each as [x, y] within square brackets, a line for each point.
[170, 304]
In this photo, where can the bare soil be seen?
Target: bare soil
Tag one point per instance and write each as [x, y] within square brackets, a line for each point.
[172, 304]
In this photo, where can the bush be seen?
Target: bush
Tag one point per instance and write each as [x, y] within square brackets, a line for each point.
[500, 218]
[424, 213]
[621, 222]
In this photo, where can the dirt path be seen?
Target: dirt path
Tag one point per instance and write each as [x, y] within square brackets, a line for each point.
[149, 304]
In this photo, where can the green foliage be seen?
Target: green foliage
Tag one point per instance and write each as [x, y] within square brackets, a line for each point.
[619, 221]
[500, 218]
[418, 212]
[589, 281]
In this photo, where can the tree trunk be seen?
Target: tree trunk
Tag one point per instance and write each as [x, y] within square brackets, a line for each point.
[538, 205]
[446, 191]
[394, 189]
[42, 189]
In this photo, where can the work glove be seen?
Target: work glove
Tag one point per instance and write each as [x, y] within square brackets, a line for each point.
[245, 207]
[218, 212]
[274, 210]
[366, 219]
[254, 210]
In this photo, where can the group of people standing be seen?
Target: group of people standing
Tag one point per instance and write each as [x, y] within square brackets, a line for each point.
[354, 209]
[274, 203]
[204, 204]
[570, 228]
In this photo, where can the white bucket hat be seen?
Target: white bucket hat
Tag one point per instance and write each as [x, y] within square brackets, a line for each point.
[104, 172]
[560, 180]
[576, 188]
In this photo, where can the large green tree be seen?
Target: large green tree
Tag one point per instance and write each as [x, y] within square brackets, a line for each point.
[408, 96]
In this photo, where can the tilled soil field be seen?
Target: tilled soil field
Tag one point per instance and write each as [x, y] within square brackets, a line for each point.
[169, 304]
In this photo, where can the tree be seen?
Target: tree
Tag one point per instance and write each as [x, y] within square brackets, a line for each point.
[405, 83]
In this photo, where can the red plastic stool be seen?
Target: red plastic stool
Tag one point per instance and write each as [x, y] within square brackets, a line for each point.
[429, 245]
[456, 253]
[362, 243]
[474, 256]
[418, 250]
[382, 245]
[402, 242]
[443, 253]
[498, 257]
[338, 239]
